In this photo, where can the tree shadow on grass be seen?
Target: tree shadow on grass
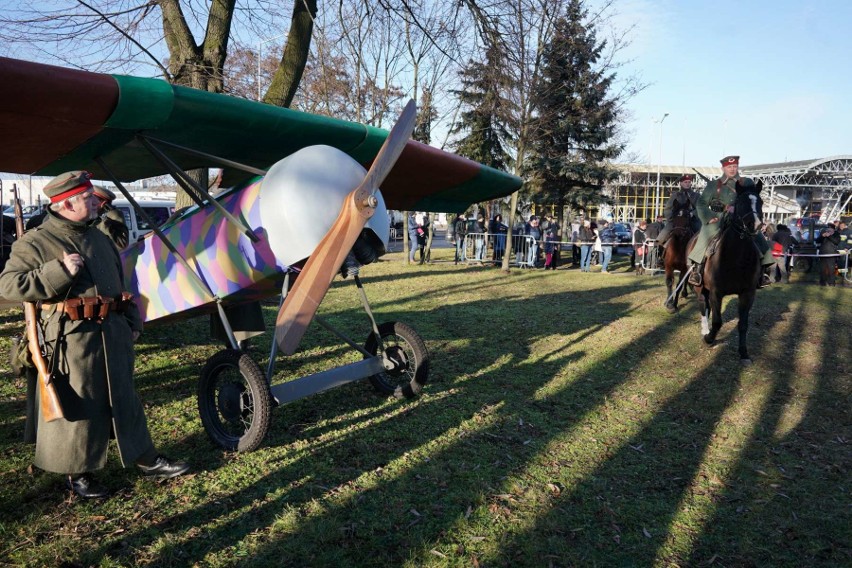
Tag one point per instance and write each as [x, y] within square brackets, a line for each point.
[297, 480]
[792, 478]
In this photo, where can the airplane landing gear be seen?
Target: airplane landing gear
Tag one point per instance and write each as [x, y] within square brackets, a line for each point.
[404, 357]
[234, 401]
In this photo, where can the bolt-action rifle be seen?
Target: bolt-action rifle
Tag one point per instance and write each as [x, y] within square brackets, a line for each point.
[49, 401]
[702, 176]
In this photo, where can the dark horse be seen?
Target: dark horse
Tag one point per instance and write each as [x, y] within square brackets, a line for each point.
[734, 265]
[674, 258]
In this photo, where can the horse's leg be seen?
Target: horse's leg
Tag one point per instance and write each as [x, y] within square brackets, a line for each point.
[715, 305]
[704, 308]
[745, 301]
[671, 302]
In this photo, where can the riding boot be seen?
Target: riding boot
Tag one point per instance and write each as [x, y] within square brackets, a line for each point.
[695, 278]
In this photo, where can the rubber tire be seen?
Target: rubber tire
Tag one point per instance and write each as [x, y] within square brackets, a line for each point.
[418, 369]
[253, 383]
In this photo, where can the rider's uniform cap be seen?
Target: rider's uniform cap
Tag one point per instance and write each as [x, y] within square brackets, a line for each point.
[687, 177]
[104, 194]
[67, 185]
[730, 161]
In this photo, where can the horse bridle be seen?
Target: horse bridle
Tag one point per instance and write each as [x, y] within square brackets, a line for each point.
[739, 223]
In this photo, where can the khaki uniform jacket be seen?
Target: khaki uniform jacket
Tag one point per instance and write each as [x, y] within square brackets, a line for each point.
[724, 191]
[92, 362]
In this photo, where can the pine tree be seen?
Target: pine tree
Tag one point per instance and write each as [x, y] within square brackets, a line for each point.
[576, 119]
[483, 122]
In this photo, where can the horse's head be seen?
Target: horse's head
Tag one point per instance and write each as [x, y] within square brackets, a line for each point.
[748, 206]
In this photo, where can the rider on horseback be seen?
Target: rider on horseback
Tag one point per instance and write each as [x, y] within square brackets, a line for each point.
[718, 197]
[680, 210]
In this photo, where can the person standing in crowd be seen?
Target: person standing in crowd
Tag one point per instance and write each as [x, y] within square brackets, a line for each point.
[718, 197]
[498, 230]
[110, 221]
[607, 237]
[586, 237]
[63, 263]
[639, 246]
[681, 204]
[422, 235]
[783, 241]
[575, 241]
[459, 232]
[596, 245]
[551, 246]
[533, 232]
[480, 234]
[413, 226]
[651, 233]
[845, 244]
[828, 242]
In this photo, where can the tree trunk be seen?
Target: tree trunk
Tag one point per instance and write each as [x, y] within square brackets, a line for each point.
[507, 254]
[286, 80]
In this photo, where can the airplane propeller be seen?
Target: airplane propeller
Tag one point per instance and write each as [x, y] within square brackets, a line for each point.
[319, 271]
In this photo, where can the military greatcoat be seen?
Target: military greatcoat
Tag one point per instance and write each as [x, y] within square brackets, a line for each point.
[721, 193]
[92, 361]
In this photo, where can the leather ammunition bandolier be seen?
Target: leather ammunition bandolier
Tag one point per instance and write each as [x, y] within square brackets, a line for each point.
[95, 308]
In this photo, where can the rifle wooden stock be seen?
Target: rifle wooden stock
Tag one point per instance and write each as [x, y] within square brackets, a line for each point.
[48, 400]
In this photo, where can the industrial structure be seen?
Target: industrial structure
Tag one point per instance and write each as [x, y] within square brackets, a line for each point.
[819, 188]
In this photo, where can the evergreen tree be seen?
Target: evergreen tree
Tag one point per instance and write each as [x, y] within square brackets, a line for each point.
[483, 122]
[576, 116]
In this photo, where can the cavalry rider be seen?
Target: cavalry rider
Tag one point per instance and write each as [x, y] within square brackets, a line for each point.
[681, 203]
[718, 196]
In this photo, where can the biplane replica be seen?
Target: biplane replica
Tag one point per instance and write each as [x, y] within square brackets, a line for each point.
[306, 200]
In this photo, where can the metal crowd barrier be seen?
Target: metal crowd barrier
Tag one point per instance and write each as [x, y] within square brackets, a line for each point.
[479, 247]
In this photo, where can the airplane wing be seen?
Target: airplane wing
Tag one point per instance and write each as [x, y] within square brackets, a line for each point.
[62, 119]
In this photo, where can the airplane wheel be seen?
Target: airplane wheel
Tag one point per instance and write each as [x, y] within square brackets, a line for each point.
[234, 401]
[406, 360]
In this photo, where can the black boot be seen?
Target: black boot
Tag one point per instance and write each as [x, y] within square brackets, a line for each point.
[765, 278]
[86, 487]
[695, 278]
[163, 468]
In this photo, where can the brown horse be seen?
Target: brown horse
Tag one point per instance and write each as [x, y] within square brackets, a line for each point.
[734, 265]
[674, 258]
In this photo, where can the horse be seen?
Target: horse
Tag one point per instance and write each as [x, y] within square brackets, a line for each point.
[674, 258]
[734, 265]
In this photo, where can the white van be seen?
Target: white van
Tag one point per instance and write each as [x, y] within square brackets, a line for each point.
[158, 211]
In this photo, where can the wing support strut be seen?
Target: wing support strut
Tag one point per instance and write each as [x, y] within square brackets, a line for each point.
[209, 157]
[191, 187]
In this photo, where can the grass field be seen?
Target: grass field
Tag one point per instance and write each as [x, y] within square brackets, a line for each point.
[569, 421]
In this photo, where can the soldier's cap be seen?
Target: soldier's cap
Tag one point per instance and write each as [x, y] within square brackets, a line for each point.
[104, 194]
[730, 161]
[687, 177]
[67, 185]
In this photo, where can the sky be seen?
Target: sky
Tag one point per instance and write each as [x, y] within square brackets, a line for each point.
[766, 80]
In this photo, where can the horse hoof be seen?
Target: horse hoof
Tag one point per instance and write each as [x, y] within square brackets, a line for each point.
[671, 309]
[708, 340]
[745, 362]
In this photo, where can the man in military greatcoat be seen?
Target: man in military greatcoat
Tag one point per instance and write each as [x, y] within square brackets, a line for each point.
[718, 197]
[90, 353]
[110, 220]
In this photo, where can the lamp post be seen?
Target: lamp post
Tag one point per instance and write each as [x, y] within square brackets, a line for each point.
[659, 167]
[260, 57]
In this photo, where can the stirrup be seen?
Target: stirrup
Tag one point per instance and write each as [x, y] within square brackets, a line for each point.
[695, 276]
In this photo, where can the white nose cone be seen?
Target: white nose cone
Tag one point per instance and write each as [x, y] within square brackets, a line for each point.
[301, 197]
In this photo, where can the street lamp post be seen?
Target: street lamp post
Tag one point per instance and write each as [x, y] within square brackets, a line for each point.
[260, 57]
[657, 209]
